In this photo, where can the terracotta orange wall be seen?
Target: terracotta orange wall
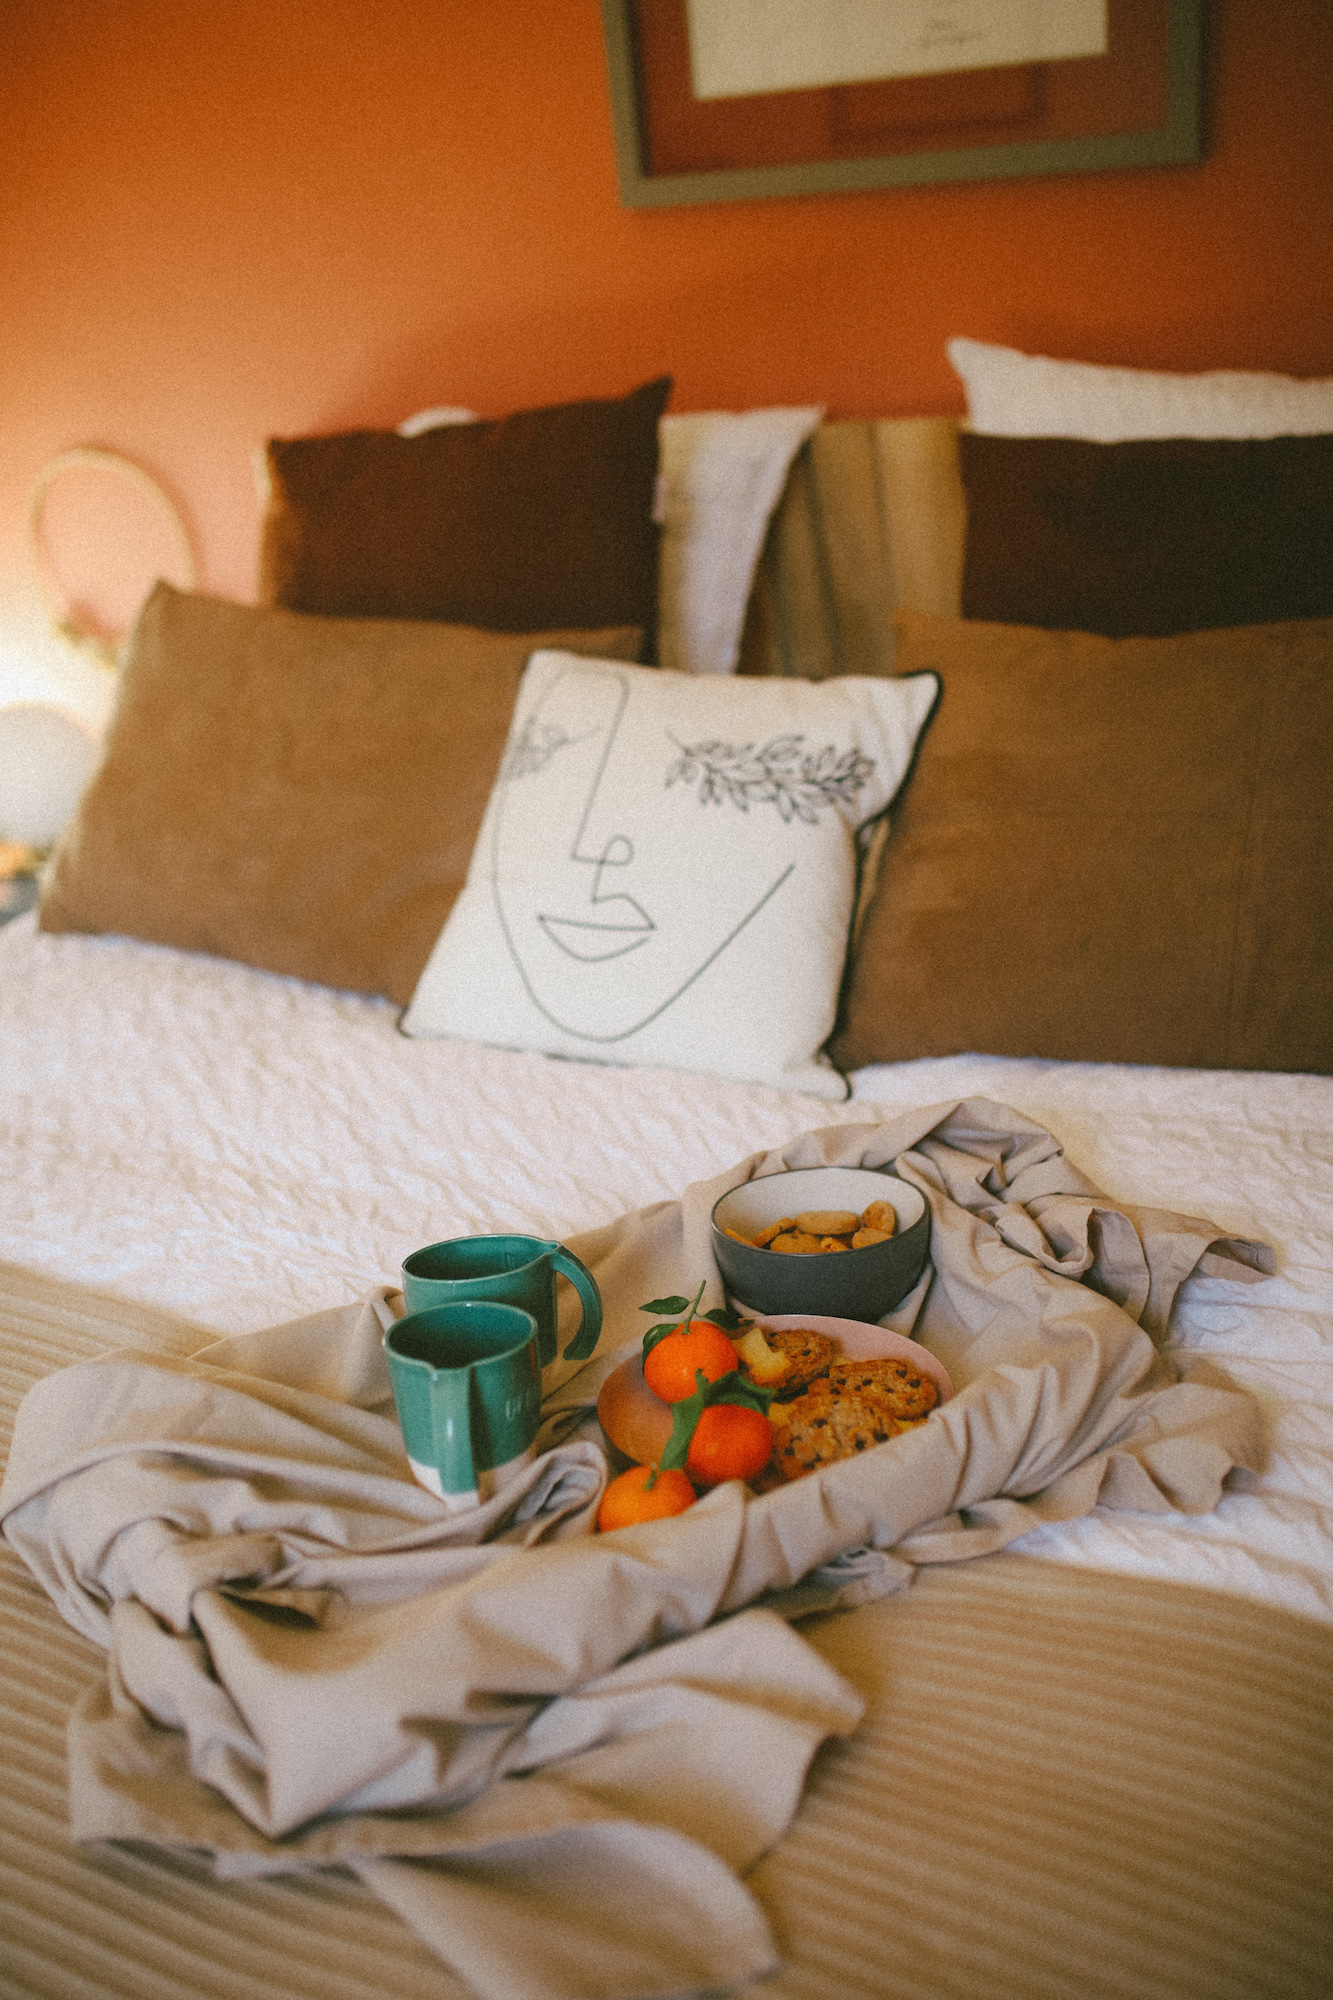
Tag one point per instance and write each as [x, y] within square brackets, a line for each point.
[221, 222]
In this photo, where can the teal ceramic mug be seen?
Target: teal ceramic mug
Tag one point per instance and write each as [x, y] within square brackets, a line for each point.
[515, 1270]
[468, 1388]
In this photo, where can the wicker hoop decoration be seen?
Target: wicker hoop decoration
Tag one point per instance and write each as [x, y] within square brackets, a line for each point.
[53, 597]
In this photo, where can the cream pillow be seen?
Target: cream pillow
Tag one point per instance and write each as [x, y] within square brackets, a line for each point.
[720, 477]
[667, 868]
[1026, 395]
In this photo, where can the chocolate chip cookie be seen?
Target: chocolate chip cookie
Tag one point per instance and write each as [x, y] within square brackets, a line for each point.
[820, 1427]
[905, 1389]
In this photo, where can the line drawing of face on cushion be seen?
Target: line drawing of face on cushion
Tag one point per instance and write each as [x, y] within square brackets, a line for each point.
[648, 897]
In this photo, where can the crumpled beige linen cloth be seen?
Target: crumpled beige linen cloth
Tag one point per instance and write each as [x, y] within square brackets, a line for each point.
[535, 1743]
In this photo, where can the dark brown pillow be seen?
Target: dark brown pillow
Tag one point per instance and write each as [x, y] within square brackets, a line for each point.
[1149, 538]
[1109, 850]
[299, 793]
[533, 521]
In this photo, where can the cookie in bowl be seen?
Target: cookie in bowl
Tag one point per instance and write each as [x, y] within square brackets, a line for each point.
[770, 1263]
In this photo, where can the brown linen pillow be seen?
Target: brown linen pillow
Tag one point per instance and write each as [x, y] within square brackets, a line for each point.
[1109, 851]
[1147, 538]
[538, 520]
[299, 793]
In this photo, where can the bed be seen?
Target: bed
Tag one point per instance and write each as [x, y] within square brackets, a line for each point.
[1093, 1761]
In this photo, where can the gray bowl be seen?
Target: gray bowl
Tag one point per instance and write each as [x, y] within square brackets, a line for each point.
[849, 1284]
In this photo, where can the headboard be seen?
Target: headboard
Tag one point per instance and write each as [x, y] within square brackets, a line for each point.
[872, 519]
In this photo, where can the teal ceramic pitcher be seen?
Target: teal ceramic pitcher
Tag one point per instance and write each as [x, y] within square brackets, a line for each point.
[467, 1384]
[512, 1270]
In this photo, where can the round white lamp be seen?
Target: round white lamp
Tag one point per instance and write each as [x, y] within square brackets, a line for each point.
[46, 758]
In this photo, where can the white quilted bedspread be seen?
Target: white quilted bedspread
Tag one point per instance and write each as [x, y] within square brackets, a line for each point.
[241, 1149]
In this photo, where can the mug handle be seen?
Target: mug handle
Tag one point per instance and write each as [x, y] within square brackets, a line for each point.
[451, 1425]
[584, 1341]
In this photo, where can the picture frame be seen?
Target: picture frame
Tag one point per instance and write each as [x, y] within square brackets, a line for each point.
[996, 124]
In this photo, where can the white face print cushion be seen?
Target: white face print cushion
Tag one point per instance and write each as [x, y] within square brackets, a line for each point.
[667, 868]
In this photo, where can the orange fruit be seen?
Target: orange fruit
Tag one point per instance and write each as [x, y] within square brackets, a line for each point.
[629, 1498]
[670, 1366]
[731, 1441]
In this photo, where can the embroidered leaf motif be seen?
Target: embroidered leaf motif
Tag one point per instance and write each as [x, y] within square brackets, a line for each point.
[776, 774]
[534, 748]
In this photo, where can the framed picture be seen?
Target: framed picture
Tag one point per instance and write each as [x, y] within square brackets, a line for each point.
[736, 100]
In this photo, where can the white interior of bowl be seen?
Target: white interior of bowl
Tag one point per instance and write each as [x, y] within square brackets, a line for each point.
[752, 1206]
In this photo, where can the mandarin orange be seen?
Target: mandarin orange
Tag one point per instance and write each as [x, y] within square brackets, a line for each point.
[629, 1498]
[731, 1441]
[669, 1367]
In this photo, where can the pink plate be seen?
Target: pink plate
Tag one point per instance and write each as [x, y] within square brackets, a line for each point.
[638, 1423]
